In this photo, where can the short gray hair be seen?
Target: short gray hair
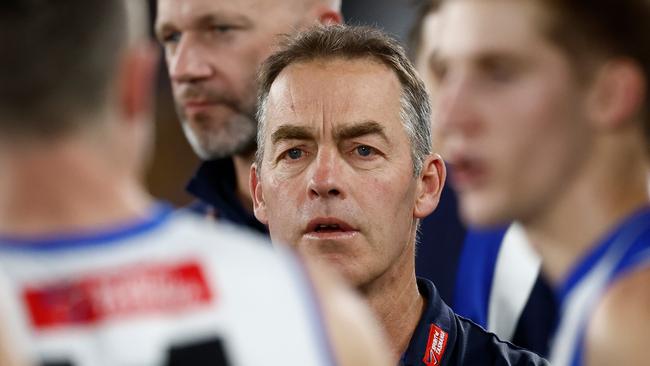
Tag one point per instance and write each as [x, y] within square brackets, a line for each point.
[354, 42]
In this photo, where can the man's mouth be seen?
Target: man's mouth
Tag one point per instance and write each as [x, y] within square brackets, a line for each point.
[329, 228]
[324, 228]
[466, 172]
[196, 106]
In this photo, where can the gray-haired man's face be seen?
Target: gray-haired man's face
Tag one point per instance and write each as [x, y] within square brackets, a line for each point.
[336, 180]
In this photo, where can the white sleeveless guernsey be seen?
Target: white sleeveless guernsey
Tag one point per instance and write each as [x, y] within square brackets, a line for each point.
[169, 290]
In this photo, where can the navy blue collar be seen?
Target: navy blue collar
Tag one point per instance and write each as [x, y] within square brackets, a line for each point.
[444, 339]
[215, 185]
[436, 316]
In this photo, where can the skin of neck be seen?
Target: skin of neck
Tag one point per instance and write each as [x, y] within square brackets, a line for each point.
[611, 185]
[66, 185]
[395, 300]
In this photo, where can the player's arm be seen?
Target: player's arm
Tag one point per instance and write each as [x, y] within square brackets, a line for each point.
[355, 335]
[618, 330]
[8, 354]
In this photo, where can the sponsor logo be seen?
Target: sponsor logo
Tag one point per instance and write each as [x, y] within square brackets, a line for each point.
[117, 293]
[436, 345]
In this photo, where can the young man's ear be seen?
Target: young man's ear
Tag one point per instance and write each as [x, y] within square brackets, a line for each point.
[617, 93]
[136, 80]
[430, 184]
[259, 205]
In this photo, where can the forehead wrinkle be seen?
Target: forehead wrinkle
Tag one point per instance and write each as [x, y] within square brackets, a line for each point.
[187, 20]
[206, 20]
[197, 15]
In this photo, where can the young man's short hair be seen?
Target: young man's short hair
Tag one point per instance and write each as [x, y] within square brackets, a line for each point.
[590, 31]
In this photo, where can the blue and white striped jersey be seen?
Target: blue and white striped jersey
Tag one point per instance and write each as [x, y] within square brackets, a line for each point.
[624, 250]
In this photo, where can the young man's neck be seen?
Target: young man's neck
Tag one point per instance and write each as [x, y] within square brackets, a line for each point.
[64, 188]
[242, 165]
[590, 207]
[396, 302]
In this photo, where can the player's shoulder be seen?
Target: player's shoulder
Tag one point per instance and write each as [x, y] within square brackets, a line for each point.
[231, 247]
[617, 331]
[200, 231]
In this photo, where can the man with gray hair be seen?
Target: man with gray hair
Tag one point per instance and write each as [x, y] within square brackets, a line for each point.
[345, 170]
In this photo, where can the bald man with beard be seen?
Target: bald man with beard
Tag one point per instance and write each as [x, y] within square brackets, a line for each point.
[213, 49]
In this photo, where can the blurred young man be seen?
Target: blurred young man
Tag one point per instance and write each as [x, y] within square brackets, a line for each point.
[213, 50]
[98, 272]
[493, 273]
[345, 171]
[543, 106]
[485, 274]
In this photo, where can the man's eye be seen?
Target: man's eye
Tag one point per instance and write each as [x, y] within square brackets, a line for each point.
[364, 150]
[294, 154]
[438, 71]
[501, 74]
[173, 37]
[222, 28]
[500, 71]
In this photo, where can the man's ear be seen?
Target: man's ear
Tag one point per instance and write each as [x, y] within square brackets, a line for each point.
[429, 186]
[259, 205]
[136, 80]
[326, 15]
[617, 93]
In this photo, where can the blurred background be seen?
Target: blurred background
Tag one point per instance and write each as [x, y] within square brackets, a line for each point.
[173, 161]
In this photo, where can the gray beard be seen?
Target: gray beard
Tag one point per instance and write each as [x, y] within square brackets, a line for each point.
[235, 137]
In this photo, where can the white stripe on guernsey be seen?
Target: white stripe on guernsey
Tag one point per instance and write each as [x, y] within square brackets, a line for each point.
[580, 302]
[515, 273]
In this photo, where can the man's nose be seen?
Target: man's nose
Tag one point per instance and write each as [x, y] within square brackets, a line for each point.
[190, 61]
[454, 107]
[325, 179]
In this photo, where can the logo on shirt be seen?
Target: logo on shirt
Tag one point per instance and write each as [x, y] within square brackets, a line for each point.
[435, 346]
[121, 292]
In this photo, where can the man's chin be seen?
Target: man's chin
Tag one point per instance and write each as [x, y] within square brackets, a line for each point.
[209, 145]
[343, 265]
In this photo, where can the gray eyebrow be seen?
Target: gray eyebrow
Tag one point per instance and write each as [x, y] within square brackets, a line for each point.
[350, 131]
[288, 132]
[360, 129]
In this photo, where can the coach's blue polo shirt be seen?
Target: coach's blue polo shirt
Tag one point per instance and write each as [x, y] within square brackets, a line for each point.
[444, 338]
[215, 185]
